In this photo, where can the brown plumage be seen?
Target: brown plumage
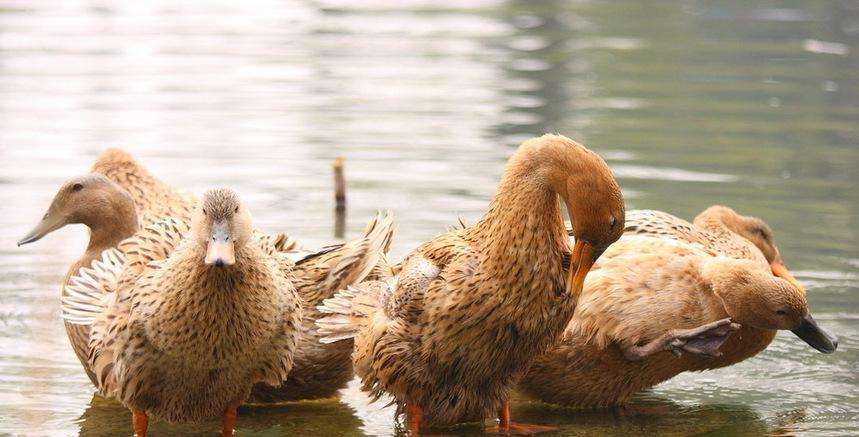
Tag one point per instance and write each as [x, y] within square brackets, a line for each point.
[467, 311]
[153, 198]
[320, 370]
[101, 201]
[110, 213]
[670, 286]
[197, 316]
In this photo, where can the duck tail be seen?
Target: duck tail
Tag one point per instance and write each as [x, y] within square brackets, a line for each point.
[361, 256]
[350, 310]
[87, 294]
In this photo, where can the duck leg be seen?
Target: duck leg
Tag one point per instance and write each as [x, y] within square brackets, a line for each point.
[506, 426]
[414, 415]
[140, 422]
[229, 422]
[703, 340]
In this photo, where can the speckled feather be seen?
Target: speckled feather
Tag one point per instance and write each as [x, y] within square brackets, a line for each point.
[467, 311]
[172, 342]
[320, 370]
[153, 198]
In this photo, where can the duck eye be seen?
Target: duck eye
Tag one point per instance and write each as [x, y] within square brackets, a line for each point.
[781, 312]
[237, 210]
[77, 187]
[612, 221]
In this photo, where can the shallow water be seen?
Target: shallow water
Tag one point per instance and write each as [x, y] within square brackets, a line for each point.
[731, 102]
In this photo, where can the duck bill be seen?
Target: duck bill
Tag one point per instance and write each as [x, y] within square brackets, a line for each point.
[46, 226]
[816, 336]
[779, 269]
[582, 260]
[221, 251]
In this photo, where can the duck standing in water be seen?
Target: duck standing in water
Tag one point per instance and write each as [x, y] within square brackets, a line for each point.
[467, 311]
[111, 215]
[183, 324]
[670, 297]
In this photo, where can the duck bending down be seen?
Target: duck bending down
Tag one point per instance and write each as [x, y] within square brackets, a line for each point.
[183, 324]
[670, 297]
[450, 333]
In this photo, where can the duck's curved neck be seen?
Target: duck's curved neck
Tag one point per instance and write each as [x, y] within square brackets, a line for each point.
[524, 225]
[117, 224]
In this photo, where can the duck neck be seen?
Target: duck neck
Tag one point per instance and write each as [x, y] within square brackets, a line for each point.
[113, 225]
[523, 228]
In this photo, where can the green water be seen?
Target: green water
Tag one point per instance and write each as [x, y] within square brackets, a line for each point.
[750, 104]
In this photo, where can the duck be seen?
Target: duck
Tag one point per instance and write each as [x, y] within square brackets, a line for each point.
[670, 297]
[185, 319]
[110, 214]
[450, 332]
[153, 198]
[319, 371]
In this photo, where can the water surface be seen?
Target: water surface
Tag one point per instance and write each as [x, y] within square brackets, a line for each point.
[692, 103]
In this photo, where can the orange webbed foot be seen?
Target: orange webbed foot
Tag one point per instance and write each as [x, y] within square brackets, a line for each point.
[229, 421]
[507, 427]
[140, 422]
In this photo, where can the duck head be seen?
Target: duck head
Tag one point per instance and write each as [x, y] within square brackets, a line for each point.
[753, 229]
[756, 298]
[222, 226]
[592, 196]
[92, 200]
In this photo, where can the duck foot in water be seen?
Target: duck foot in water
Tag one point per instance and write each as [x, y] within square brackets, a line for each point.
[507, 427]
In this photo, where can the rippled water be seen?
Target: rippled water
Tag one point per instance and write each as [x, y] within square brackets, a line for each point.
[692, 103]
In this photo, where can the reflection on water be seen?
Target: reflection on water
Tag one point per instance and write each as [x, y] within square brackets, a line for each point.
[692, 103]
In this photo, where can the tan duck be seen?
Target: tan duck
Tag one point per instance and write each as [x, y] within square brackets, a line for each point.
[113, 201]
[184, 323]
[111, 214]
[320, 370]
[671, 286]
[449, 334]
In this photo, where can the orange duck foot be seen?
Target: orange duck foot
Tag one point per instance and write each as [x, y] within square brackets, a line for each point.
[229, 421]
[703, 340]
[507, 427]
[140, 422]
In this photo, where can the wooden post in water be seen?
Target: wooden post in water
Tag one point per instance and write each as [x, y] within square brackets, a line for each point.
[339, 199]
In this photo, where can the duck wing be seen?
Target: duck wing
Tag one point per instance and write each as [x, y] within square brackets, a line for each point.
[320, 274]
[100, 296]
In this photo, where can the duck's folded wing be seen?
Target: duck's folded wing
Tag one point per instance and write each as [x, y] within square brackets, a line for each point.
[374, 304]
[640, 296]
[274, 243]
[91, 298]
[154, 242]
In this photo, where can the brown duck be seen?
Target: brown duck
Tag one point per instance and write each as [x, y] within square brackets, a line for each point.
[113, 201]
[672, 286]
[466, 312]
[319, 370]
[185, 321]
